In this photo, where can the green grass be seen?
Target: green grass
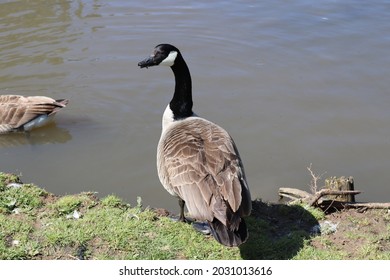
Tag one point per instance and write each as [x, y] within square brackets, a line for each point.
[14, 239]
[309, 252]
[24, 198]
[44, 228]
[112, 201]
[35, 224]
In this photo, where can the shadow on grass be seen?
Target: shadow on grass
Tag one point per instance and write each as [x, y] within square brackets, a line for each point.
[277, 231]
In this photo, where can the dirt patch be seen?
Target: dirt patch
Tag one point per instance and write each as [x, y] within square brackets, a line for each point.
[356, 234]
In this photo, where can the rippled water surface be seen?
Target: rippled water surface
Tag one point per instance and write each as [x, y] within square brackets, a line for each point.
[294, 82]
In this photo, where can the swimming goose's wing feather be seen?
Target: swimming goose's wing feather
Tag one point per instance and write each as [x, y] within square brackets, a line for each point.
[200, 164]
[16, 110]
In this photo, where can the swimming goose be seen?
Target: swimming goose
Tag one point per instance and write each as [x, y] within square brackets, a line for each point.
[197, 160]
[20, 113]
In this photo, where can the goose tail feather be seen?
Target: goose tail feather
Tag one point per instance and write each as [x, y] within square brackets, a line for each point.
[229, 237]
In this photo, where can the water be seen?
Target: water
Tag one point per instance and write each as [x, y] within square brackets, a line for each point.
[294, 82]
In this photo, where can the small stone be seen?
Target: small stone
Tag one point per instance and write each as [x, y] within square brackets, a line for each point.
[75, 215]
[14, 185]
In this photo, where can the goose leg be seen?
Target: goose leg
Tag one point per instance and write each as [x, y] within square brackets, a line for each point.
[201, 227]
[28, 134]
[181, 217]
[28, 138]
[181, 204]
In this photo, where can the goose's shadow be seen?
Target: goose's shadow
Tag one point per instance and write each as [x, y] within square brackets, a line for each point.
[277, 231]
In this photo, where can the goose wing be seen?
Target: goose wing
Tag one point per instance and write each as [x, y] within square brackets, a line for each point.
[199, 162]
[16, 110]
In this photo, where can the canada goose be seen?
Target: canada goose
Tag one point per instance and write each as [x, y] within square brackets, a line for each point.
[197, 160]
[20, 113]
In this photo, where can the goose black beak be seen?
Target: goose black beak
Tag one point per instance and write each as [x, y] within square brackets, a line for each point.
[148, 62]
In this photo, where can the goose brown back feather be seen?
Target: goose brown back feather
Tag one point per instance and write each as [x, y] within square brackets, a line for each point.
[198, 162]
[17, 110]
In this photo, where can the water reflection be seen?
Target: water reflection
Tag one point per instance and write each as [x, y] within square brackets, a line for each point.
[50, 134]
[35, 33]
[30, 25]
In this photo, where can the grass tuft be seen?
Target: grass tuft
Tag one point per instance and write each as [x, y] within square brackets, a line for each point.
[112, 201]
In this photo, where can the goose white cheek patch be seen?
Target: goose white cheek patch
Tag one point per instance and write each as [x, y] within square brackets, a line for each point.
[170, 60]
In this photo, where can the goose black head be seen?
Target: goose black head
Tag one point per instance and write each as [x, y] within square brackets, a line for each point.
[163, 54]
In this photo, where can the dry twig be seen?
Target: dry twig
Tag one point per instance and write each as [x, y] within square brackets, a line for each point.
[314, 179]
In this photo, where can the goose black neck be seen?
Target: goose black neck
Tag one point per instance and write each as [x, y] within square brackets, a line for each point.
[181, 103]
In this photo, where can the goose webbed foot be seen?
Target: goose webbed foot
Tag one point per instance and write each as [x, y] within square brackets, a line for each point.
[202, 227]
[179, 219]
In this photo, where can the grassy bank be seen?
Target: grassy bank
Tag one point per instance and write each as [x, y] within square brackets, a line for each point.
[35, 224]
